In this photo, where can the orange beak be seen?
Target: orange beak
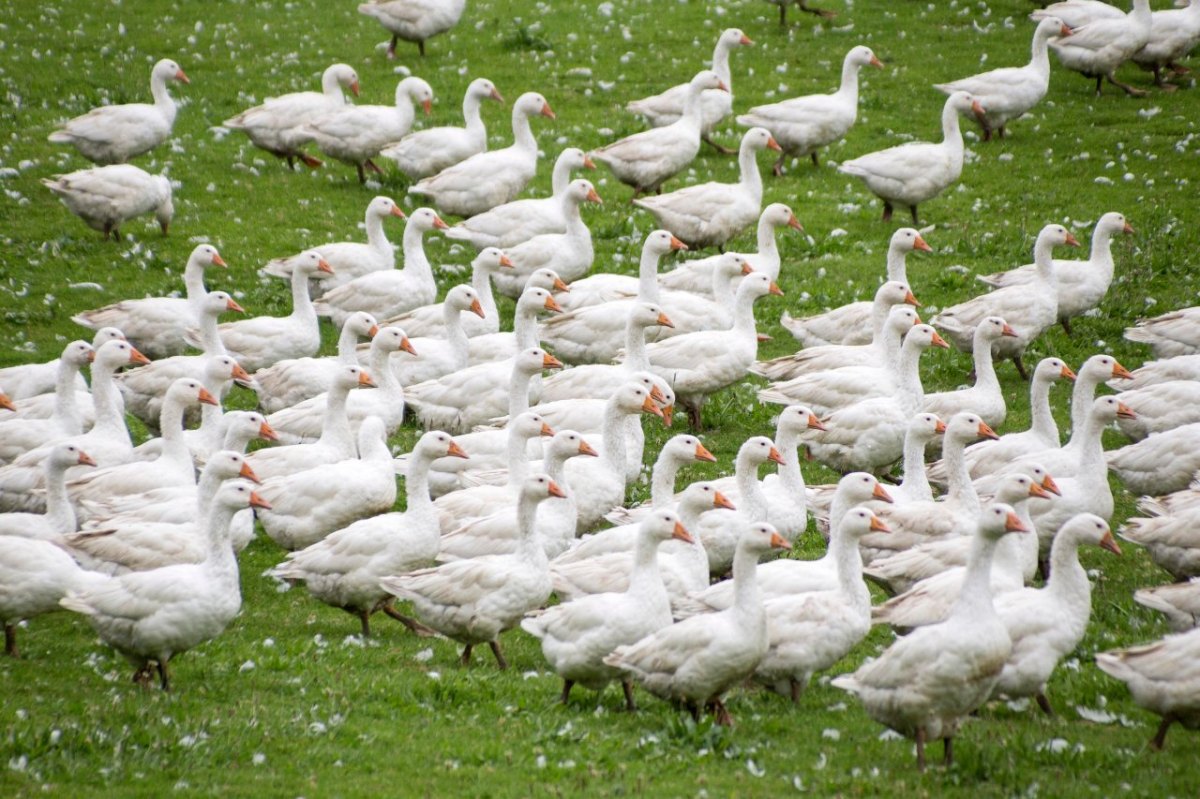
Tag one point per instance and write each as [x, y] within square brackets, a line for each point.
[438, 224]
[217, 260]
[878, 525]
[745, 40]
[240, 374]
[455, 451]
[397, 212]
[721, 87]
[814, 423]
[258, 502]
[702, 454]
[267, 433]
[1051, 486]
[1125, 412]
[547, 430]
[137, 357]
[976, 108]
[987, 432]
[407, 346]
[588, 163]
[85, 459]
[747, 269]
[778, 292]
[354, 88]
[779, 542]
[917, 319]
[92, 356]
[648, 406]
[547, 111]
[586, 449]
[676, 244]
[206, 397]
[664, 321]
[940, 427]
[552, 305]
[938, 341]
[668, 416]
[248, 473]
[1128, 229]
[1036, 490]
[373, 332]
[793, 222]
[880, 494]
[1121, 372]
[182, 78]
[476, 308]
[233, 306]
[323, 266]
[561, 286]
[1008, 331]
[657, 395]
[773, 145]
[1066, 373]
[364, 380]
[550, 362]
[6, 403]
[922, 245]
[1014, 525]
[1110, 543]
[495, 95]
[427, 107]
[682, 534]
[506, 261]
[875, 62]
[911, 299]
[1064, 30]
[1071, 241]
[722, 501]
[774, 455]
[593, 197]
[555, 491]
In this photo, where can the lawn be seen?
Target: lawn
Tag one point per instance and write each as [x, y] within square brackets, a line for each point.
[289, 701]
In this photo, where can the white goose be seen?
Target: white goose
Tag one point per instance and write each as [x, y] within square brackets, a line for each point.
[1169, 335]
[149, 617]
[1160, 408]
[157, 325]
[520, 220]
[984, 397]
[34, 576]
[710, 214]
[1174, 33]
[916, 172]
[697, 660]
[926, 683]
[343, 569]
[1165, 370]
[1098, 49]
[803, 125]
[274, 125]
[287, 382]
[351, 259]
[1162, 677]
[112, 134]
[648, 159]
[1031, 309]
[1010, 92]
[1159, 464]
[30, 379]
[18, 435]
[577, 636]
[492, 178]
[59, 518]
[107, 197]
[1179, 602]
[474, 601]
[413, 20]
[354, 134]
[429, 320]
[535, 300]
[855, 323]
[429, 151]
[719, 531]
[448, 353]
[388, 292]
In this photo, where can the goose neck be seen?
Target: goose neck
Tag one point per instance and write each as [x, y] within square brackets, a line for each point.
[720, 62]
[518, 392]
[529, 549]
[418, 504]
[636, 359]
[613, 436]
[377, 236]
[162, 97]
[897, 264]
[693, 107]
[753, 504]
[237, 437]
[909, 376]
[1043, 259]
[951, 131]
[170, 423]
[347, 346]
[59, 511]
[193, 282]
[561, 177]
[961, 489]
[985, 371]
[1039, 57]
[331, 87]
[847, 559]
[915, 481]
[751, 178]
[416, 263]
[383, 374]
[768, 247]
[302, 307]
[787, 441]
[522, 132]
[525, 328]
[335, 425]
[1042, 421]
[848, 90]
[724, 290]
[975, 599]
[1101, 257]
[743, 311]
[747, 599]
[1067, 577]
[648, 276]
[517, 448]
[481, 281]
[66, 409]
[221, 559]
[1082, 397]
[211, 415]
[109, 406]
[472, 117]
[206, 489]
[455, 335]
[646, 579]
[662, 478]
[210, 336]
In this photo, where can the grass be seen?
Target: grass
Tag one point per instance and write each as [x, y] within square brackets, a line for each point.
[287, 701]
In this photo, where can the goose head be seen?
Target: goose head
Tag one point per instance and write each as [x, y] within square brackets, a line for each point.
[1050, 27]
[415, 91]
[464, 298]
[733, 37]
[230, 465]
[993, 328]
[220, 368]
[1106, 410]
[1088, 528]
[535, 300]
[859, 487]
[685, 449]
[491, 259]
[484, 89]
[661, 242]
[530, 425]
[862, 56]
[392, 339]
[965, 103]
[532, 104]
[574, 158]
[907, 239]
[362, 324]
[780, 215]
[188, 392]
[859, 522]
[759, 139]
[569, 444]
[924, 426]
[310, 264]
[700, 497]
[759, 538]
[217, 303]
[659, 390]
[383, 207]
[115, 354]
[237, 495]
[206, 255]
[705, 80]
[999, 519]
[797, 419]
[582, 191]
[1042, 478]
[923, 337]
[533, 361]
[344, 75]
[546, 279]
[1099, 368]
[426, 219]
[758, 285]
[649, 314]
[1113, 222]
[901, 319]
[105, 335]
[965, 426]
[893, 292]
[633, 398]
[1053, 370]
[538, 487]
[78, 353]
[757, 450]
[438, 444]
[346, 378]
[663, 525]
[1055, 236]
[248, 425]
[732, 264]
[166, 70]
[64, 456]
[1016, 488]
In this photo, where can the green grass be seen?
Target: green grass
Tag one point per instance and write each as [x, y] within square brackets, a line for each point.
[285, 703]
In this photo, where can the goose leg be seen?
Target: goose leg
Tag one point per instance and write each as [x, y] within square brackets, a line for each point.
[500, 661]
[466, 655]
[1021, 368]
[820, 12]
[309, 161]
[1066, 325]
[921, 749]
[108, 229]
[412, 624]
[948, 750]
[364, 616]
[692, 708]
[1099, 84]
[796, 690]
[777, 167]
[722, 714]
[887, 211]
[1003, 132]
[142, 676]
[362, 178]
[1160, 737]
[566, 691]
[1178, 69]
[815, 160]
[164, 676]
[291, 162]
[722, 149]
[1044, 703]
[391, 53]
[10, 641]
[1132, 92]
[421, 48]
[916, 222]
[694, 419]
[783, 15]
[630, 705]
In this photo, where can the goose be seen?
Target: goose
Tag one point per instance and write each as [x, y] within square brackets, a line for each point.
[59, 518]
[1046, 624]
[1031, 309]
[293, 380]
[1011, 92]
[927, 682]
[429, 151]
[274, 125]
[1180, 367]
[304, 422]
[784, 577]
[883, 348]
[306, 506]
[143, 388]
[1160, 408]
[1098, 49]
[1167, 529]
[258, 342]
[27, 380]
[870, 434]
[157, 325]
[984, 397]
[441, 356]
[606, 287]
[1077, 13]
[413, 20]
[1158, 464]
[343, 569]
[569, 254]
[577, 636]
[351, 259]
[468, 397]
[916, 172]
[1173, 34]
[1169, 335]
[354, 134]
[710, 214]
[474, 601]
[107, 197]
[113, 134]
[1179, 602]
[19, 435]
[108, 441]
[842, 382]
[899, 573]
[520, 220]
[810, 632]
[388, 292]
[803, 125]
[430, 320]
[855, 323]
[1081, 285]
[336, 442]
[34, 576]
[697, 660]
[648, 159]
[667, 107]
[696, 276]
[535, 300]
[149, 617]
[701, 363]
[488, 179]
[803, 6]
[1162, 677]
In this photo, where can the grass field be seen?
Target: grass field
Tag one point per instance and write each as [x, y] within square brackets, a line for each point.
[289, 702]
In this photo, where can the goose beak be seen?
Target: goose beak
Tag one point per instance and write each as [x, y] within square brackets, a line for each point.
[239, 374]
[587, 449]
[745, 40]
[648, 406]
[550, 362]
[722, 501]
[137, 357]
[593, 197]
[1071, 241]
[588, 163]
[917, 320]
[778, 292]
[181, 77]
[547, 430]
[506, 261]
[455, 451]
[1066, 374]
[814, 423]
[555, 491]
[987, 432]
[476, 308]
[793, 222]
[1128, 229]
[495, 95]
[86, 459]
[911, 299]
[1036, 490]
[354, 88]
[547, 111]
[702, 454]
[657, 395]
[1121, 372]
[91, 357]
[552, 305]
[205, 397]
[1008, 331]
[1110, 543]
[1125, 412]
[976, 108]
[668, 415]
[779, 542]
[438, 224]
[773, 145]
[233, 306]
[364, 380]
[878, 525]
[323, 266]
[258, 502]
[676, 244]
[922, 245]
[6, 403]
[1065, 30]
[881, 494]
[681, 534]
[939, 428]
[561, 286]
[875, 62]
[664, 321]
[427, 107]
[217, 260]
[406, 346]
[1013, 524]
[267, 433]
[747, 269]
[1051, 486]
[248, 473]
[774, 455]
[938, 341]
[397, 212]
[373, 332]
[721, 87]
